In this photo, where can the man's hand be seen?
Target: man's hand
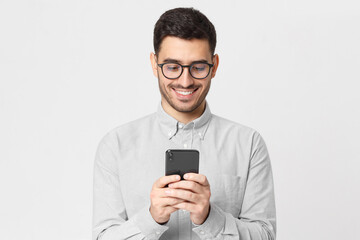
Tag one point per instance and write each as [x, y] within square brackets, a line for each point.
[195, 193]
[162, 205]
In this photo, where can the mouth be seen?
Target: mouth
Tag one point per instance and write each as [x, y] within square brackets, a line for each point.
[185, 93]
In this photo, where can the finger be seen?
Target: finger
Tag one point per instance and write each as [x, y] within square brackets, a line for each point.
[188, 206]
[165, 180]
[161, 194]
[199, 178]
[182, 194]
[170, 201]
[162, 215]
[164, 193]
[163, 202]
[171, 209]
[188, 185]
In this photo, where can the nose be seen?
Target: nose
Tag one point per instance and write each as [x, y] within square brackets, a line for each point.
[186, 80]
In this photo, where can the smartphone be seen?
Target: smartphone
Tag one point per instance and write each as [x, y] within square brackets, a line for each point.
[181, 161]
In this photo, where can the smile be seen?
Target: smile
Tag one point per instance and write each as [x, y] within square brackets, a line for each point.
[185, 93]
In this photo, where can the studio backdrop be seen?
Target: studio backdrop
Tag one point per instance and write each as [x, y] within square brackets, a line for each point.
[70, 71]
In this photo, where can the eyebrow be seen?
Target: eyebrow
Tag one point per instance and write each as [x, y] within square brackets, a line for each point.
[171, 60]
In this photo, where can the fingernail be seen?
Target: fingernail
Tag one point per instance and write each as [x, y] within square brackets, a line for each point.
[177, 177]
[167, 191]
[170, 185]
[186, 176]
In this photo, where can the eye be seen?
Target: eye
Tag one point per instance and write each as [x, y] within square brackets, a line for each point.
[200, 67]
[172, 67]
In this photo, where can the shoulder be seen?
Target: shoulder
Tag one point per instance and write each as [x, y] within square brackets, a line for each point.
[230, 126]
[128, 131]
[238, 133]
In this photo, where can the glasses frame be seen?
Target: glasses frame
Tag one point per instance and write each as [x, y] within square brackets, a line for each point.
[185, 66]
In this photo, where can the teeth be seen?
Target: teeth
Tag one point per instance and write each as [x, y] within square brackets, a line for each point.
[184, 93]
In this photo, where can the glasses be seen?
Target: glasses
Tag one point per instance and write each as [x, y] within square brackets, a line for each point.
[198, 70]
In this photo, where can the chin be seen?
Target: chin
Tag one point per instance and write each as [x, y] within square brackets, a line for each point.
[185, 108]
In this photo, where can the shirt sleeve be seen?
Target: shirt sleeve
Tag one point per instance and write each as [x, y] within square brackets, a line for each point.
[257, 219]
[110, 220]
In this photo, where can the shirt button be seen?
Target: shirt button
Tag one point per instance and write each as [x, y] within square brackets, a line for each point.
[201, 232]
[157, 232]
[185, 145]
[181, 126]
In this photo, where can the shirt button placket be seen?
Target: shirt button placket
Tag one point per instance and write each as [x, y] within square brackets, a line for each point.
[187, 139]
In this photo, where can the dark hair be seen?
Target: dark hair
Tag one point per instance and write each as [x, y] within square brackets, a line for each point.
[185, 23]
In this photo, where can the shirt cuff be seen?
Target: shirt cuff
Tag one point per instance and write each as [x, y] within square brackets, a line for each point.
[148, 226]
[213, 225]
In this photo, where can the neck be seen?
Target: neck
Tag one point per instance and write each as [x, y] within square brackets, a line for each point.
[183, 117]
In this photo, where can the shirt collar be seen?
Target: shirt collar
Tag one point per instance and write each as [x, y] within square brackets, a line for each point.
[170, 125]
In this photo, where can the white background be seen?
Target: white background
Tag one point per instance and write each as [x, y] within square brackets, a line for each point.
[70, 71]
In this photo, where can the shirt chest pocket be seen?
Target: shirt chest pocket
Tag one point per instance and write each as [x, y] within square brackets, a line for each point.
[227, 193]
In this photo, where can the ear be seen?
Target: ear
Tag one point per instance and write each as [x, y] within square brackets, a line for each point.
[154, 65]
[216, 64]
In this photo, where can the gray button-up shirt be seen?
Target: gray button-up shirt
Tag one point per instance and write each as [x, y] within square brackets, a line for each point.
[233, 157]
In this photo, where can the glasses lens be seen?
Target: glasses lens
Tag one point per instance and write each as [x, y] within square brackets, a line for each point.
[171, 70]
[200, 70]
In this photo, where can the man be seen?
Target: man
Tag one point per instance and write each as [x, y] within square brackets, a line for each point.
[232, 196]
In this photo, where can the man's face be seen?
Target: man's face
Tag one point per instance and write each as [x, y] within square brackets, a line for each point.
[184, 94]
